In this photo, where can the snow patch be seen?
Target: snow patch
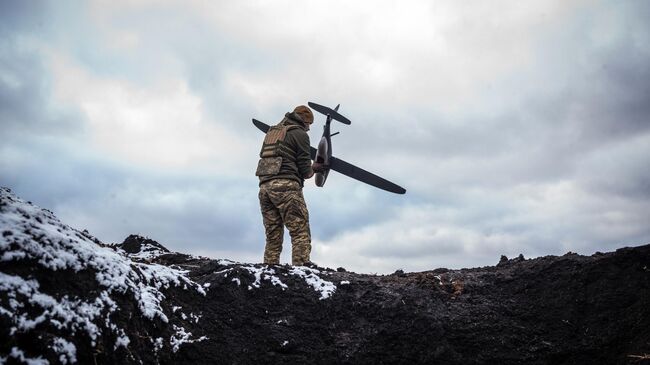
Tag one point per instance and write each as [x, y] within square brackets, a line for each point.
[265, 273]
[147, 253]
[180, 337]
[260, 274]
[122, 341]
[32, 233]
[19, 355]
[73, 314]
[67, 351]
[226, 262]
[324, 287]
[439, 279]
[157, 344]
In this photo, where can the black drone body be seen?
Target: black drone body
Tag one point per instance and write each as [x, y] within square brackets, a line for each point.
[324, 154]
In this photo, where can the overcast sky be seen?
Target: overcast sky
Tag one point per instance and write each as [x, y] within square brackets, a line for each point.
[515, 126]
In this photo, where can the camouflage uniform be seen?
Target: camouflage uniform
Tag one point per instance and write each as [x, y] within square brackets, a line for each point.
[282, 203]
[284, 164]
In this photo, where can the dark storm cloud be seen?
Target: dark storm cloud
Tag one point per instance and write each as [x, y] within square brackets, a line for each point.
[578, 96]
[186, 212]
[551, 158]
[25, 83]
[542, 155]
[48, 158]
[52, 173]
[21, 15]
[25, 92]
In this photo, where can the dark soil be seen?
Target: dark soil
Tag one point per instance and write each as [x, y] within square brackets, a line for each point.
[553, 310]
[569, 309]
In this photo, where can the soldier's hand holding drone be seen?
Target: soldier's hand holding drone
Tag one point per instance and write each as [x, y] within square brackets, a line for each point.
[319, 167]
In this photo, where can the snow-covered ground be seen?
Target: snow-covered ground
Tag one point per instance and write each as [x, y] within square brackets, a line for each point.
[35, 236]
[323, 287]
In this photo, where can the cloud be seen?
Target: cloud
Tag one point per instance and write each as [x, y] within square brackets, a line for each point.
[119, 157]
[21, 16]
[161, 126]
[188, 212]
[185, 213]
[418, 238]
[519, 128]
[481, 224]
[270, 53]
[25, 86]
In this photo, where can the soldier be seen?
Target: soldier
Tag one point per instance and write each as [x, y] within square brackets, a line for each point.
[285, 163]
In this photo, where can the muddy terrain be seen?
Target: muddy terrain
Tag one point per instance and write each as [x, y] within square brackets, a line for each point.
[66, 297]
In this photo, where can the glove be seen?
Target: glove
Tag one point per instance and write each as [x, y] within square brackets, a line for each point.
[319, 167]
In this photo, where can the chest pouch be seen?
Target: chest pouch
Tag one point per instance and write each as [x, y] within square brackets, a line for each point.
[272, 151]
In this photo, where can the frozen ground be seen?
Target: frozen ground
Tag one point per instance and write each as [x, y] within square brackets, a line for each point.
[67, 298]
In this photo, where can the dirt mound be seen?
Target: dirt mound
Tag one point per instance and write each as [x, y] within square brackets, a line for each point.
[67, 298]
[135, 244]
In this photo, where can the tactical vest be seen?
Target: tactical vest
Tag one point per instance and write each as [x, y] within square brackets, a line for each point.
[274, 150]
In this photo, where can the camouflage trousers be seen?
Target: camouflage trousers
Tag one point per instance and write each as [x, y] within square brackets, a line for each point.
[283, 204]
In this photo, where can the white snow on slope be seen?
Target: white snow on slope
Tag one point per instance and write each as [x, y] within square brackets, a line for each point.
[147, 253]
[31, 233]
[19, 355]
[268, 274]
[34, 236]
[66, 350]
[181, 336]
[323, 287]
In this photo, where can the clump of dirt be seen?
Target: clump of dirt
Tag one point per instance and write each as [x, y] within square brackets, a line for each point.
[135, 244]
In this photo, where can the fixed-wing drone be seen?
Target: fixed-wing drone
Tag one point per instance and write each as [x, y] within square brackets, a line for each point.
[324, 154]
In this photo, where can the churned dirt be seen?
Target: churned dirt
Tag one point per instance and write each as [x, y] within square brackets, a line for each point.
[569, 309]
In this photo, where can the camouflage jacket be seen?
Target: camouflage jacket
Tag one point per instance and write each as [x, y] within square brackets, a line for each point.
[297, 166]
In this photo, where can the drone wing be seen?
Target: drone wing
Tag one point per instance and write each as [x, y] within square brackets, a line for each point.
[261, 125]
[333, 113]
[349, 169]
[362, 175]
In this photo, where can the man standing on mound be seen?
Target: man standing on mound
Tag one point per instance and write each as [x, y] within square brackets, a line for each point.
[285, 163]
